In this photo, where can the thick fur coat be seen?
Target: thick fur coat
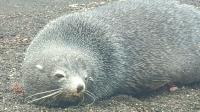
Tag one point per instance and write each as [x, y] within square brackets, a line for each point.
[127, 47]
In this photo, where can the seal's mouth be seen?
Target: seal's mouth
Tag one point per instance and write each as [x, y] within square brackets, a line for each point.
[73, 94]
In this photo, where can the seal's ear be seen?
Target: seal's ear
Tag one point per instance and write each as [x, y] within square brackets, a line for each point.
[38, 66]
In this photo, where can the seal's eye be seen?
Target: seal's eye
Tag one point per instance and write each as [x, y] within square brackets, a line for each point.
[59, 75]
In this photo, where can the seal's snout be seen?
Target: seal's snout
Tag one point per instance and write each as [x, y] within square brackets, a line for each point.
[80, 88]
[77, 85]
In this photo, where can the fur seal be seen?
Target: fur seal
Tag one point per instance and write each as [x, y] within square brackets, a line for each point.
[125, 47]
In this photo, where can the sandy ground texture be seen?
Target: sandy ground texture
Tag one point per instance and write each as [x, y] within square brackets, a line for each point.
[20, 20]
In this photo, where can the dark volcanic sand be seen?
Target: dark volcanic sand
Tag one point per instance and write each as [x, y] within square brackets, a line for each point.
[20, 20]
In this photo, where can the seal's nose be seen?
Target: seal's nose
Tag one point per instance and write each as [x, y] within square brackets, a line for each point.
[79, 88]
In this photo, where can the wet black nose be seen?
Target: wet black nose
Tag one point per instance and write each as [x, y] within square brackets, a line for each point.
[79, 88]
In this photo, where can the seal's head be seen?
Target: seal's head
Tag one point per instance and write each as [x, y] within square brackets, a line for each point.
[56, 78]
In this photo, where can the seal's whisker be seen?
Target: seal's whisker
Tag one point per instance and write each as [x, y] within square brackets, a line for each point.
[92, 96]
[57, 94]
[83, 98]
[90, 93]
[42, 93]
[43, 97]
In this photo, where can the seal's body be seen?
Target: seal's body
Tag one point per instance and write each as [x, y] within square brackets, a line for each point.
[125, 47]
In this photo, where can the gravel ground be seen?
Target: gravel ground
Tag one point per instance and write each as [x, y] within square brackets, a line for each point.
[20, 20]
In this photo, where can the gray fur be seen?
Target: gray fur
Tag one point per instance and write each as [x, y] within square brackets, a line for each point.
[126, 47]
